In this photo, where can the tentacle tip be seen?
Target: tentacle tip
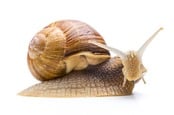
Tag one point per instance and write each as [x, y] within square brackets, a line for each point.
[161, 28]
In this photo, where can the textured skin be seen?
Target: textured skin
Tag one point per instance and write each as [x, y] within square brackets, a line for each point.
[105, 79]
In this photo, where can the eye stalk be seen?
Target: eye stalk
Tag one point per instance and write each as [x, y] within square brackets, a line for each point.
[144, 46]
[133, 69]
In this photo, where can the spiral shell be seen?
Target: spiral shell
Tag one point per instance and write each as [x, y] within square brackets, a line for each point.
[62, 47]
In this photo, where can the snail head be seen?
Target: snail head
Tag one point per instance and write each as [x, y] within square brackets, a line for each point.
[133, 68]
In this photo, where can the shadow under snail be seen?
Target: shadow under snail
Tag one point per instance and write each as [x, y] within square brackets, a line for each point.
[71, 59]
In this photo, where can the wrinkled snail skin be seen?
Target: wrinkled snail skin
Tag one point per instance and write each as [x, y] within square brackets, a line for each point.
[105, 79]
[71, 59]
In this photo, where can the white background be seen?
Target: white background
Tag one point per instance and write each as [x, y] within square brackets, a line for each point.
[125, 24]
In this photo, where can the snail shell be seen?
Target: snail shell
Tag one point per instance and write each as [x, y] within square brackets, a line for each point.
[62, 47]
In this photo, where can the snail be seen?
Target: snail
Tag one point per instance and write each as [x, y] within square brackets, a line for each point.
[71, 59]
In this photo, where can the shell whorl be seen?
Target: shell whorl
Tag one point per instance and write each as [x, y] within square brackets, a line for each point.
[52, 45]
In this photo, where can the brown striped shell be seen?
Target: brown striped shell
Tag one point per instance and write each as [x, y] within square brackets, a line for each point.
[62, 47]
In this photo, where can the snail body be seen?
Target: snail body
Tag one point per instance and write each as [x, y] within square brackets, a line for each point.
[71, 59]
[105, 79]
